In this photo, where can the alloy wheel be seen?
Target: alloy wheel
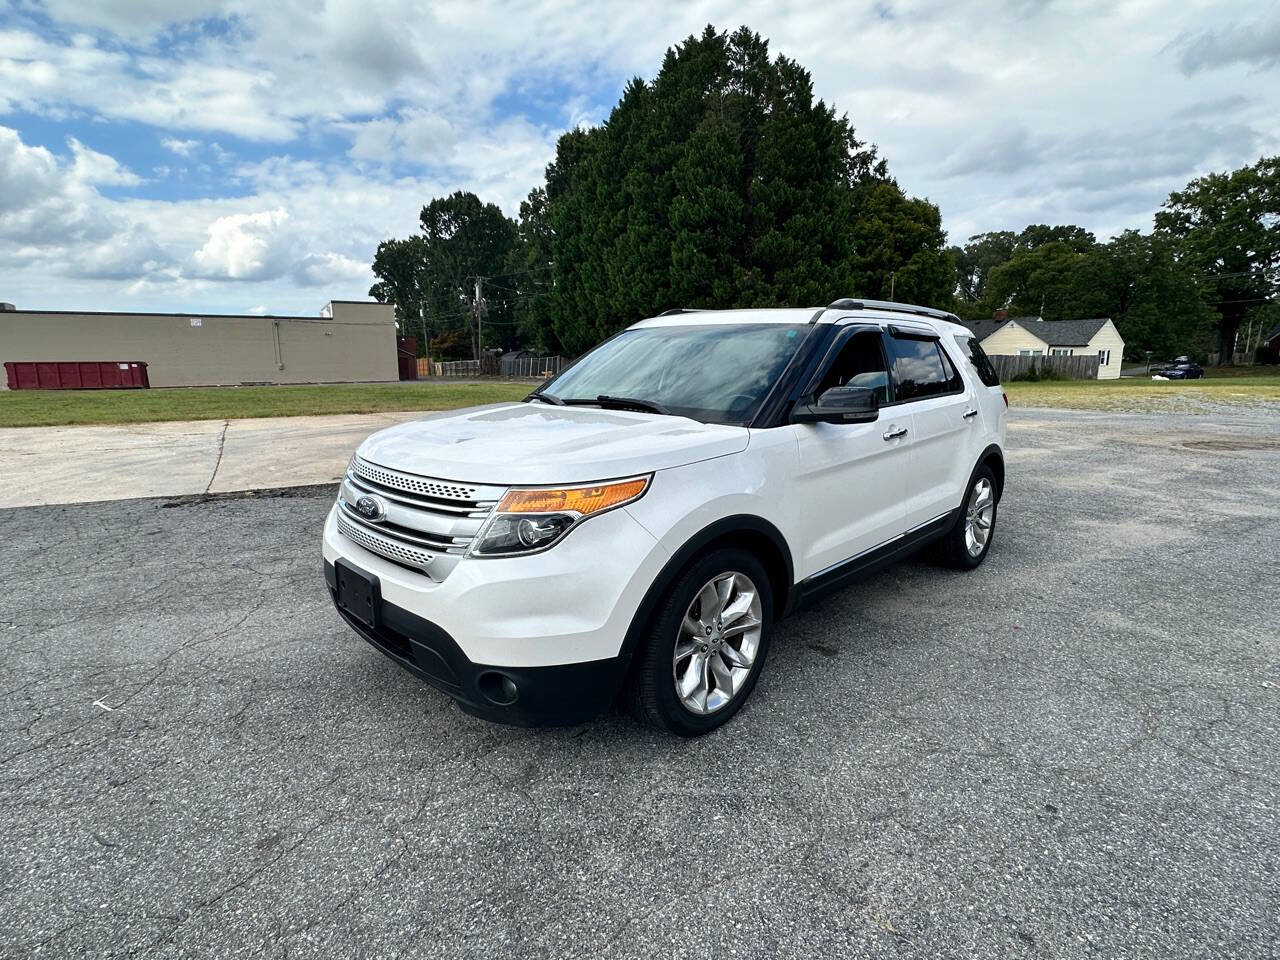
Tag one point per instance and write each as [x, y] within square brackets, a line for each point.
[717, 643]
[979, 517]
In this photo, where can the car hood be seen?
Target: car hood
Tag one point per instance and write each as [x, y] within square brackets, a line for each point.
[535, 443]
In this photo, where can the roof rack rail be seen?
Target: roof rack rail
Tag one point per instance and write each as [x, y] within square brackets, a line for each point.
[674, 310]
[850, 304]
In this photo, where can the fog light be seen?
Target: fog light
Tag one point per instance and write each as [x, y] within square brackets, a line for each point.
[498, 688]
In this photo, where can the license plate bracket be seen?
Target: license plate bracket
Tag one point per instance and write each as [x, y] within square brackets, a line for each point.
[357, 593]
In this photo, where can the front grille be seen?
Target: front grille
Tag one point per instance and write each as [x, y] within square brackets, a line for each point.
[407, 483]
[408, 556]
[428, 523]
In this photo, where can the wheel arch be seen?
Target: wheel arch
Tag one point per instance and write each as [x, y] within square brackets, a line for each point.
[992, 457]
[746, 531]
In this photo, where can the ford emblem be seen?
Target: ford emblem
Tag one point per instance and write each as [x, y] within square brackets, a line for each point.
[371, 508]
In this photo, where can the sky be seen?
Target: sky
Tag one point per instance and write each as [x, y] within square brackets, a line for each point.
[247, 156]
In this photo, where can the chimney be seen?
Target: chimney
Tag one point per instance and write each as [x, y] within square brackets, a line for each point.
[1002, 315]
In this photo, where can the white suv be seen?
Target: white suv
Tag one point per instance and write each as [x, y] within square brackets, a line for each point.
[641, 521]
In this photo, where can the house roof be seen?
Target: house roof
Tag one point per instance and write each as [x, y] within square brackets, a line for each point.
[1275, 332]
[984, 328]
[1056, 333]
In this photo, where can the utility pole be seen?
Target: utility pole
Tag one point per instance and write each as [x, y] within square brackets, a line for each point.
[426, 339]
[893, 278]
[479, 318]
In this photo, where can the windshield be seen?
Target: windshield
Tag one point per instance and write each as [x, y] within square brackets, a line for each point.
[714, 373]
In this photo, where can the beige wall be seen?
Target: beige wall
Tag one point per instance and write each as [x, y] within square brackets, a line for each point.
[1107, 338]
[357, 343]
[1011, 338]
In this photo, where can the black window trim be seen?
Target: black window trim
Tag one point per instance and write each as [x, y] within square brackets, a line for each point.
[775, 410]
[900, 333]
[844, 334]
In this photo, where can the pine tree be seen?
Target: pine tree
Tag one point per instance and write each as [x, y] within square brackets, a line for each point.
[723, 183]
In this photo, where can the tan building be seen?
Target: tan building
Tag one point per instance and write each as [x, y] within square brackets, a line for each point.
[1033, 337]
[351, 341]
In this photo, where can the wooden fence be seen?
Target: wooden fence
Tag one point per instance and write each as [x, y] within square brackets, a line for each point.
[534, 367]
[1082, 367]
[491, 366]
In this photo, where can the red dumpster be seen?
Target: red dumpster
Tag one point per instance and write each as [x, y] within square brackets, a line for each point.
[76, 375]
[407, 357]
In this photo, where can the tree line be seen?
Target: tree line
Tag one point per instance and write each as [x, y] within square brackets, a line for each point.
[724, 183]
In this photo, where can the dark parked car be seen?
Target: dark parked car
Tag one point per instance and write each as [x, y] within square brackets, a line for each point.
[1183, 369]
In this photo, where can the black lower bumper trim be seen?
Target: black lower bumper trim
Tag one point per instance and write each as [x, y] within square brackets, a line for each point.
[543, 696]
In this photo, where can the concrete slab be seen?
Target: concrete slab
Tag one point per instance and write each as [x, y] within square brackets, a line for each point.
[50, 465]
[291, 451]
[44, 465]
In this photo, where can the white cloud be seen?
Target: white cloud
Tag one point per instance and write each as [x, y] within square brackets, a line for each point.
[1034, 112]
[245, 246]
[91, 167]
[135, 19]
[182, 148]
[317, 269]
[1256, 43]
[413, 136]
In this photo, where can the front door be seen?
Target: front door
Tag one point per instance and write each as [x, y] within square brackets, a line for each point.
[849, 492]
[944, 414]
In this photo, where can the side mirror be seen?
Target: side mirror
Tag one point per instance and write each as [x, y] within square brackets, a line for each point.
[839, 405]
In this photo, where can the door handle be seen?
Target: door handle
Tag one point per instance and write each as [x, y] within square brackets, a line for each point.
[969, 414]
[895, 434]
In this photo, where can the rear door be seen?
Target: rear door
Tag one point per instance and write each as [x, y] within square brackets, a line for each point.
[944, 416]
[849, 484]
[992, 409]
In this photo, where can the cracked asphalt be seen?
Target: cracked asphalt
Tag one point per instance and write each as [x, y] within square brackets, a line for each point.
[1070, 752]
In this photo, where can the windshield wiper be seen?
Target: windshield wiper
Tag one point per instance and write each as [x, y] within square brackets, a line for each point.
[617, 403]
[545, 398]
[648, 406]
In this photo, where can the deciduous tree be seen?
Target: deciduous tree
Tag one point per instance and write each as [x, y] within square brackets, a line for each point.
[1228, 230]
[431, 276]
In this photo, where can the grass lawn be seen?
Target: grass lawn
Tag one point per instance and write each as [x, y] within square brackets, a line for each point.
[1141, 395]
[41, 408]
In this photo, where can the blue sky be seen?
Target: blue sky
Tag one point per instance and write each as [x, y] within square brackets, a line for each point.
[227, 155]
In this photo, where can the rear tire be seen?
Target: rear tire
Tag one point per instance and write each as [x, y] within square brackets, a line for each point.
[706, 645]
[965, 546]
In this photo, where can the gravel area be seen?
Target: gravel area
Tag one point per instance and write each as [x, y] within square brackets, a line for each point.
[1069, 752]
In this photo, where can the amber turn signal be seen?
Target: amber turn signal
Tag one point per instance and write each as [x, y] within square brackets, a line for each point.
[584, 500]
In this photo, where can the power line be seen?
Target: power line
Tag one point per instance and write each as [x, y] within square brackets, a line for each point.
[1238, 273]
[521, 273]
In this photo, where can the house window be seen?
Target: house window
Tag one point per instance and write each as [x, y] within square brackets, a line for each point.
[1062, 352]
[1104, 358]
[1031, 353]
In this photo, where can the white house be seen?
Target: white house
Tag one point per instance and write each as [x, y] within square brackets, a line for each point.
[1033, 337]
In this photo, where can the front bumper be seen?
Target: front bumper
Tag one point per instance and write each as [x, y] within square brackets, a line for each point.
[552, 624]
[524, 696]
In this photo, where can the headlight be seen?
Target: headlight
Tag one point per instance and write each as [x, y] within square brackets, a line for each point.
[530, 519]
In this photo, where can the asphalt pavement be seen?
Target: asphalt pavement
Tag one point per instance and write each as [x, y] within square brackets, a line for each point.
[1070, 752]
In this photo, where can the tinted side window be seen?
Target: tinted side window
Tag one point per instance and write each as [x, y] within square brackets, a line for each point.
[981, 362]
[920, 369]
[860, 364]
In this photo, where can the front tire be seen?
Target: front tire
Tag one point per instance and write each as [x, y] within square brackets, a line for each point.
[706, 644]
[966, 546]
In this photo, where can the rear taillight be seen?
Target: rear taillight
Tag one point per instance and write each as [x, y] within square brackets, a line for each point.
[1006, 399]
